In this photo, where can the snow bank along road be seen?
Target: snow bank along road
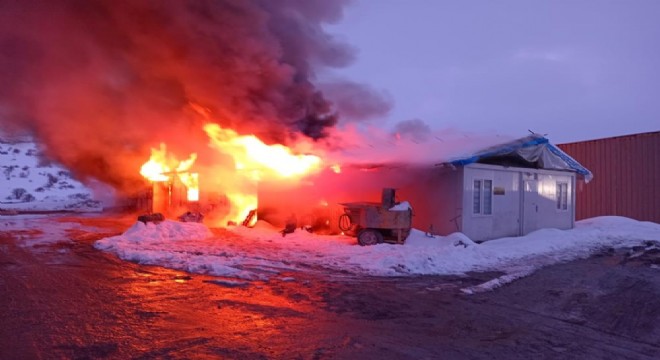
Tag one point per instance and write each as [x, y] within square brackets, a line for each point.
[262, 252]
[63, 298]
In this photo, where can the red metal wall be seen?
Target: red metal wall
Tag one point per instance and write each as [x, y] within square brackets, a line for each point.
[626, 176]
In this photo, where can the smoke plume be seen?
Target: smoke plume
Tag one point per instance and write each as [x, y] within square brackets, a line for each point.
[415, 130]
[99, 81]
[357, 102]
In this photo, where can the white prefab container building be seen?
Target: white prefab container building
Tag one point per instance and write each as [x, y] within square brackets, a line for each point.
[507, 190]
[486, 201]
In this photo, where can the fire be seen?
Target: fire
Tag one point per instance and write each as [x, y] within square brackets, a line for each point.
[157, 166]
[251, 153]
[242, 204]
[252, 161]
[191, 181]
[162, 165]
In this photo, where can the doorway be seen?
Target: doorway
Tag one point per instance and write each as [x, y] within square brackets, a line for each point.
[530, 206]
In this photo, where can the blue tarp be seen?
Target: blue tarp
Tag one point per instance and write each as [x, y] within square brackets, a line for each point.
[533, 148]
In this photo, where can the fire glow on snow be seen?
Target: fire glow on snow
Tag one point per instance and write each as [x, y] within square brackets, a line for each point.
[262, 252]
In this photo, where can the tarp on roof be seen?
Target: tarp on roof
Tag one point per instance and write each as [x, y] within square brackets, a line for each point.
[534, 149]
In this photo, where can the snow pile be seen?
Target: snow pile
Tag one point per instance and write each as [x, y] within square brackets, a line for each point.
[162, 233]
[27, 184]
[260, 252]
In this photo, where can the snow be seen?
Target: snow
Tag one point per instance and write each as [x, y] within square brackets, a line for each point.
[402, 206]
[262, 252]
[26, 184]
[166, 231]
[35, 230]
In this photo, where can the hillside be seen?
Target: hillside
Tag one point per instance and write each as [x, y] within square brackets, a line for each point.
[29, 184]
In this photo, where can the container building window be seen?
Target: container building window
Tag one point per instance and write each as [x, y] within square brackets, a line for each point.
[488, 197]
[482, 197]
[562, 196]
[476, 200]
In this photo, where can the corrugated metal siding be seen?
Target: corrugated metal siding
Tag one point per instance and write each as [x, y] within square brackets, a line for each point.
[626, 176]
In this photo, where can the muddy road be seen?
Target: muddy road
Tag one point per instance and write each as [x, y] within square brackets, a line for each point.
[64, 299]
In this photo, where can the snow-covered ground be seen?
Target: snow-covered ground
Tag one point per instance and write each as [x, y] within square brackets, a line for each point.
[27, 184]
[262, 252]
[37, 231]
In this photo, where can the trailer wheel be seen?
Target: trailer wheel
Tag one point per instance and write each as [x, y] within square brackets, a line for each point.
[345, 222]
[368, 237]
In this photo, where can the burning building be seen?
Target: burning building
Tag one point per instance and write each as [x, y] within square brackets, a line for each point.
[227, 190]
[227, 85]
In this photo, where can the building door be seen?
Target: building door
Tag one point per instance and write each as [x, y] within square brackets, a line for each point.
[530, 206]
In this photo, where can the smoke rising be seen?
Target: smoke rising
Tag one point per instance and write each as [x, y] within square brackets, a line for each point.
[415, 130]
[357, 102]
[98, 82]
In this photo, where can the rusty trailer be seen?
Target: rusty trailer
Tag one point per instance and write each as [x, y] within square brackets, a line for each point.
[374, 223]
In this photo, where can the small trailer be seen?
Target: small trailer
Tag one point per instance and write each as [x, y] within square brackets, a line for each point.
[374, 223]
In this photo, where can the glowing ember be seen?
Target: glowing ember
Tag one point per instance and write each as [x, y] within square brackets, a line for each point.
[336, 168]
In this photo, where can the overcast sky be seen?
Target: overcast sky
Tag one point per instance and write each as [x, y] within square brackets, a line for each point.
[574, 70]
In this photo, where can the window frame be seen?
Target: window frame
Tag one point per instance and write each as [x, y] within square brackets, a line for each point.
[561, 196]
[480, 198]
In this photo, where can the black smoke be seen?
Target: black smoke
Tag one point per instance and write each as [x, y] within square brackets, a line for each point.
[98, 82]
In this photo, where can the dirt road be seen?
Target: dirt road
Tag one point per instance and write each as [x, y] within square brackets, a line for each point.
[65, 299]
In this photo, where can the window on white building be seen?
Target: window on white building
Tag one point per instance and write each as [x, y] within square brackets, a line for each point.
[482, 197]
[562, 196]
[488, 197]
[476, 197]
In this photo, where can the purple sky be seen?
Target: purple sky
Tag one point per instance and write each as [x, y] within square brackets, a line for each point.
[574, 70]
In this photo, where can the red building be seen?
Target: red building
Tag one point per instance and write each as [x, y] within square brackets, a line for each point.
[626, 179]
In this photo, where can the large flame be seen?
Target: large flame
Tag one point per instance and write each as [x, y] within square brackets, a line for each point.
[252, 161]
[157, 166]
[250, 153]
[162, 165]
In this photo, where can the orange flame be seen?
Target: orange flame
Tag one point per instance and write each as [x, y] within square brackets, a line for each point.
[191, 181]
[161, 165]
[253, 159]
[242, 204]
[157, 166]
[251, 153]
